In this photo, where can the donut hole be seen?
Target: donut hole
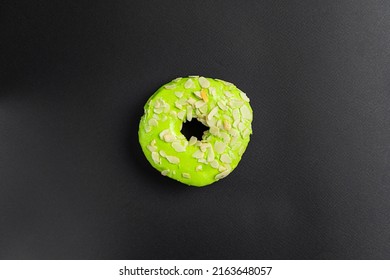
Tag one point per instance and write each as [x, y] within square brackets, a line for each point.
[193, 128]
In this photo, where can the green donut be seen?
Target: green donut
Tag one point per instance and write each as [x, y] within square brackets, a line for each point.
[217, 104]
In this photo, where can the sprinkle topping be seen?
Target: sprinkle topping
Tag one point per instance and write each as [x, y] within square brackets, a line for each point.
[156, 157]
[189, 84]
[222, 175]
[172, 86]
[192, 141]
[245, 113]
[179, 94]
[173, 159]
[212, 113]
[226, 159]
[219, 147]
[204, 83]
[181, 115]
[243, 96]
[198, 154]
[153, 122]
[178, 147]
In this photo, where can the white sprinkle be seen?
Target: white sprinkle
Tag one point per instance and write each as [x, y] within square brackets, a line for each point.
[147, 128]
[226, 159]
[219, 147]
[203, 109]
[198, 94]
[189, 84]
[189, 113]
[212, 113]
[244, 97]
[246, 133]
[225, 137]
[152, 148]
[199, 168]
[199, 103]
[214, 130]
[162, 133]
[221, 168]
[156, 117]
[186, 175]
[182, 101]
[228, 94]
[236, 114]
[191, 101]
[214, 164]
[222, 105]
[163, 154]
[204, 83]
[246, 114]
[156, 157]
[222, 175]
[174, 114]
[199, 116]
[153, 143]
[179, 94]
[219, 124]
[198, 154]
[228, 118]
[202, 160]
[153, 122]
[170, 86]
[178, 147]
[204, 146]
[157, 104]
[158, 110]
[169, 138]
[164, 118]
[234, 147]
[212, 91]
[181, 115]
[234, 140]
[177, 79]
[241, 126]
[173, 159]
[236, 103]
[178, 105]
[165, 172]
[210, 155]
[192, 141]
[212, 122]
[234, 132]
[167, 108]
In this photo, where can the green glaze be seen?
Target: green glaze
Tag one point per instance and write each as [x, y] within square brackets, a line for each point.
[219, 105]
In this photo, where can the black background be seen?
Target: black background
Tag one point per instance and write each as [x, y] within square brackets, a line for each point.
[314, 182]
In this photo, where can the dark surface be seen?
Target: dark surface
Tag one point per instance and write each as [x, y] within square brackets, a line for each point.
[313, 184]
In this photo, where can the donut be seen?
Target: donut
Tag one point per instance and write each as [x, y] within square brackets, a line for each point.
[219, 105]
